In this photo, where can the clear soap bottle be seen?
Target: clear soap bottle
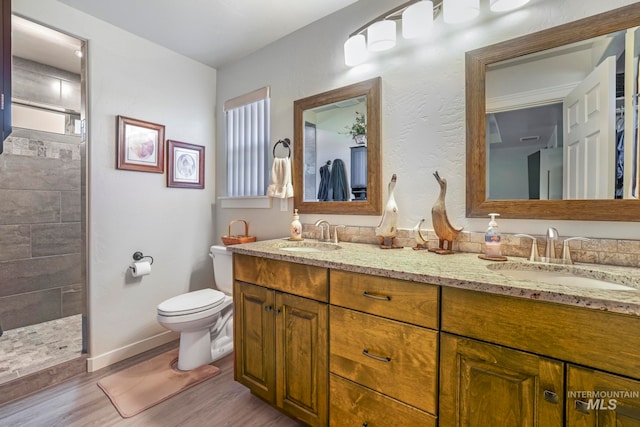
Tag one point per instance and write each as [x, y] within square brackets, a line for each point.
[492, 238]
[295, 231]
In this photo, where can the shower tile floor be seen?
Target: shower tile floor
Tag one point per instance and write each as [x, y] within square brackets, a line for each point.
[33, 348]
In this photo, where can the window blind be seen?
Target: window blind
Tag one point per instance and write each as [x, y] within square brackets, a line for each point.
[247, 142]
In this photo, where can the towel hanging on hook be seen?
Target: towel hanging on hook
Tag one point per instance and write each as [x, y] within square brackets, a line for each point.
[281, 184]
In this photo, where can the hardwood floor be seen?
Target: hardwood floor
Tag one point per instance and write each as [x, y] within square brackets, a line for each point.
[217, 402]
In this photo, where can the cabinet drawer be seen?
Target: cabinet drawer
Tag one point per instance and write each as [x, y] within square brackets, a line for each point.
[402, 300]
[390, 357]
[607, 341]
[298, 279]
[354, 405]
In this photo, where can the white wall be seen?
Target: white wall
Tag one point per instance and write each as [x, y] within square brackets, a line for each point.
[131, 211]
[423, 115]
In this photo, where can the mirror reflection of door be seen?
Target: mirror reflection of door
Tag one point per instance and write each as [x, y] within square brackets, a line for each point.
[310, 186]
[589, 135]
[593, 169]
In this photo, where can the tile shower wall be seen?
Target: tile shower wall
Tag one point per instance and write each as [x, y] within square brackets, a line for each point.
[619, 252]
[40, 220]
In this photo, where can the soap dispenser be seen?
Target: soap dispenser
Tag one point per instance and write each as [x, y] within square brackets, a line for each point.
[492, 238]
[295, 231]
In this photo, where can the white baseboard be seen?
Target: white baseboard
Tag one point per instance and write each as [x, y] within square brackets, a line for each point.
[106, 359]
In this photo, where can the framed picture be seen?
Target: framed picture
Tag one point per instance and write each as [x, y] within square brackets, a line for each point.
[186, 165]
[140, 145]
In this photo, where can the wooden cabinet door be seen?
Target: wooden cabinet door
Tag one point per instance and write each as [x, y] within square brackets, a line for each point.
[598, 399]
[5, 65]
[302, 358]
[254, 339]
[487, 385]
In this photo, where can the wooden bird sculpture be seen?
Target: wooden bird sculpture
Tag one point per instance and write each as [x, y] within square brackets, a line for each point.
[421, 240]
[444, 230]
[388, 227]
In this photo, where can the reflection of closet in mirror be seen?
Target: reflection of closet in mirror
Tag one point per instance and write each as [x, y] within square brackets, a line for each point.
[333, 161]
[526, 121]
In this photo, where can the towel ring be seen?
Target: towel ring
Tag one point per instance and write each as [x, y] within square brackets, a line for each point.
[287, 144]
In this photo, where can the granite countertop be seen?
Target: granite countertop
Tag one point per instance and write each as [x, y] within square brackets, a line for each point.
[461, 270]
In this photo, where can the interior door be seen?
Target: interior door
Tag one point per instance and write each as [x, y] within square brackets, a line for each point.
[589, 135]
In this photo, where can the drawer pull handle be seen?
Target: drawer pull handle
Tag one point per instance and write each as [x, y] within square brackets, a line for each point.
[550, 396]
[378, 297]
[385, 359]
[582, 407]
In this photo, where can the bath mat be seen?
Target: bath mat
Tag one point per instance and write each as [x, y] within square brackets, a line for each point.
[148, 383]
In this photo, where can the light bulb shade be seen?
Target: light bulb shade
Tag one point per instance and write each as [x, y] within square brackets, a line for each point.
[355, 50]
[456, 11]
[505, 5]
[417, 20]
[381, 35]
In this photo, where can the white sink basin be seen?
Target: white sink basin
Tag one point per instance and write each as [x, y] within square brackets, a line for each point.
[556, 275]
[307, 247]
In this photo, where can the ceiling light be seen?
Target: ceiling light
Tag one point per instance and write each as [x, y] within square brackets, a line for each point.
[355, 50]
[505, 5]
[417, 20]
[456, 11]
[381, 35]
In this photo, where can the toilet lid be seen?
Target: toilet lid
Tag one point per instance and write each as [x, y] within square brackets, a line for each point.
[191, 302]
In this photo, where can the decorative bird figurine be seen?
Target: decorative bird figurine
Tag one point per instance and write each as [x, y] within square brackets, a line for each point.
[421, 241]
[444, 230]
[388, 227]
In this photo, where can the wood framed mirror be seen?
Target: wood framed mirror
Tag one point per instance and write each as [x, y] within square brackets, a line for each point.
[336, 171]
[481, 126]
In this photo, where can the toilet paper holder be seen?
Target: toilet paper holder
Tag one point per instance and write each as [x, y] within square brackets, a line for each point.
[137, 256]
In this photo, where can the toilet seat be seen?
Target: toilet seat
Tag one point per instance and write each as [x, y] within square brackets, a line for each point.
[191, 302]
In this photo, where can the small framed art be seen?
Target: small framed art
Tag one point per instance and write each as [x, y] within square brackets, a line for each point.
[185, 164]
[140, 145]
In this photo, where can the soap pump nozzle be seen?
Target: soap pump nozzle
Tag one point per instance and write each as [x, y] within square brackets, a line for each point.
[492, 222]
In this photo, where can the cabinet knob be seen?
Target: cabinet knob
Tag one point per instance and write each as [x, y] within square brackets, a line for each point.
[268, 308]
[550, 396]
[582, 407]
[277, 310]
[365, 424]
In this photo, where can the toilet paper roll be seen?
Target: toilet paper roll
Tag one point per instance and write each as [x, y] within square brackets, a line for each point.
[140, 268]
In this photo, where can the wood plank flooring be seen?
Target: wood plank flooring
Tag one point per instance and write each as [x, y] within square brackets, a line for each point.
[79, 402]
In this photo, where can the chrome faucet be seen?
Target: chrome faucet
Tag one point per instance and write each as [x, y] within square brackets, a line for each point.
[533, 256]
[550, 249]
[320, 224]
[566, 252]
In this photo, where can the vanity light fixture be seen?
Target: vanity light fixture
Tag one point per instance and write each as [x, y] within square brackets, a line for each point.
[381, 35]
[355, 50]
[416, 18]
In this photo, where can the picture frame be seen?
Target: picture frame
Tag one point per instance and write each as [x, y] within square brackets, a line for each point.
[140, 145]
[185, 165]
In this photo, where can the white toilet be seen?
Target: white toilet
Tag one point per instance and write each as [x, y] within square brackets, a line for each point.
[204, 317]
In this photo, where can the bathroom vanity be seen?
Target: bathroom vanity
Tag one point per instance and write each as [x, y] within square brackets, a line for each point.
[362, 336]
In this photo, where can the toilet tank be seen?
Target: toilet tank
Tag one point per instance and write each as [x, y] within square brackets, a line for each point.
[222, 268]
